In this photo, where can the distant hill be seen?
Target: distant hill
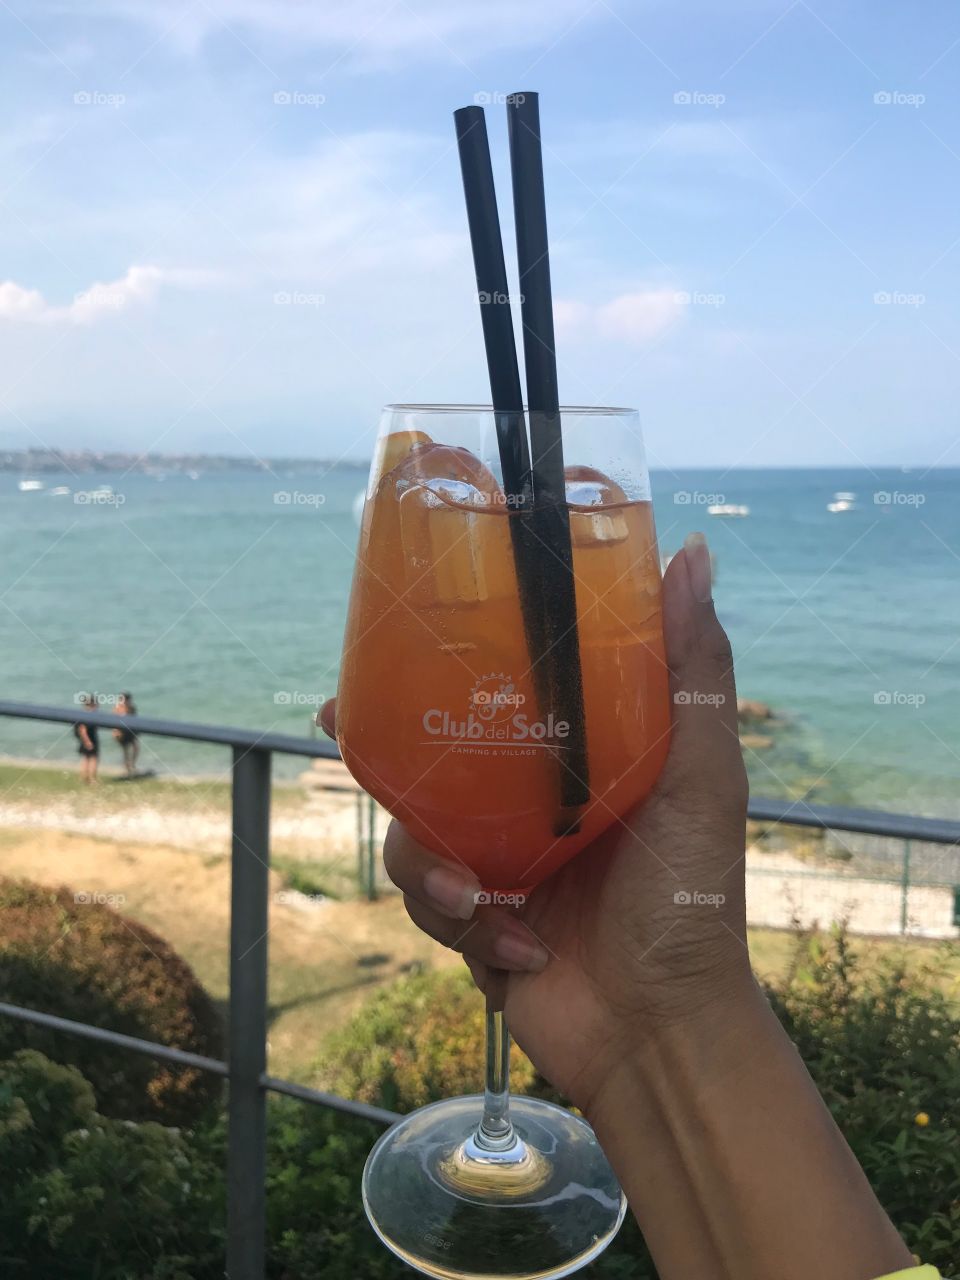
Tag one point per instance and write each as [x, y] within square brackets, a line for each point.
[87, 461]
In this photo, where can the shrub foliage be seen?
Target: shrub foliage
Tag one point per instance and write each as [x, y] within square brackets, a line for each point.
[84, 1196]
[414, 1042]
[882, 1043]
[86, 962]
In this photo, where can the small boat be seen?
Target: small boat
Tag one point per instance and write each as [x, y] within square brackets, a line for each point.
[729, 510]
[29, 486]
[61, 491]
[841, 504]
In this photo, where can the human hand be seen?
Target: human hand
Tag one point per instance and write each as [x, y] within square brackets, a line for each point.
[614, 946]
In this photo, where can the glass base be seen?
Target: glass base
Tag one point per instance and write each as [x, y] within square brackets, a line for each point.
[542, 1208]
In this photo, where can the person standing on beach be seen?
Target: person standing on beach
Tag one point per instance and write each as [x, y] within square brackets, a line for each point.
[128, 740]
[88, 742]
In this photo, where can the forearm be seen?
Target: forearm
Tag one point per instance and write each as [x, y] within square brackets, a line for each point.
[731, 1162]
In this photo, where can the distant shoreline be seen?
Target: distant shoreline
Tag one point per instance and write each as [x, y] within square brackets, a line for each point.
[47, 462]
[37, 462]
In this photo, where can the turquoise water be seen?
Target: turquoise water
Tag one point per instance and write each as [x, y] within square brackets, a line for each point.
[211, 601]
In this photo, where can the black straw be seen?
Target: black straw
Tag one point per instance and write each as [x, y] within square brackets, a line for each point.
[504, 370]
[495, 312]
[551, 522]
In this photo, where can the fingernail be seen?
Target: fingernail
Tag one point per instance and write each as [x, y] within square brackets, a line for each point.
[698, 566]
[453, 893]
[521, 951]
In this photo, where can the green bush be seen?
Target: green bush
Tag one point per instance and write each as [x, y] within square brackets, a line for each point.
[86, 962]
[414, 1042]
[316, 1226]
[84, 1196]
[883, 1045]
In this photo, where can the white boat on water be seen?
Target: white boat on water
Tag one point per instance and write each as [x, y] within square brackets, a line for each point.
[729, 510]
[29, 486]
[842, 501]
[61, 491]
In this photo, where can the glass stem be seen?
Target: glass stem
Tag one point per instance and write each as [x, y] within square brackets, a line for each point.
[496, 1133]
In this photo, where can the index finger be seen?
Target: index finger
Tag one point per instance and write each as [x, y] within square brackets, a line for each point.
[327, 717]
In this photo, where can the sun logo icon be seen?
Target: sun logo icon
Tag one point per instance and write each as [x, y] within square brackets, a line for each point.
[494, 697]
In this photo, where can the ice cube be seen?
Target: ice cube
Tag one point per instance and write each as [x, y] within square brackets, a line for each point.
[458, 492]
[453, 527]
[392, 450]
[595, 503]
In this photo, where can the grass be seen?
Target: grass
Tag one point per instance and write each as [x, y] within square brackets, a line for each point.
[28, 783]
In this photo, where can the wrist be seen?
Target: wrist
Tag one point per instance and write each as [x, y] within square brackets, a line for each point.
[690, 1053]
[730, 1159]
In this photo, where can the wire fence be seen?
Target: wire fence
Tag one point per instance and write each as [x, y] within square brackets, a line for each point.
[883, 885]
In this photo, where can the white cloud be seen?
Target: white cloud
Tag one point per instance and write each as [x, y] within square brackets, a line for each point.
[138, 286]
[631, 318]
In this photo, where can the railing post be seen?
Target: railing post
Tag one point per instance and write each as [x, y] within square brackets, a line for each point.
[905, 888]
[249, 909]
[371, 849]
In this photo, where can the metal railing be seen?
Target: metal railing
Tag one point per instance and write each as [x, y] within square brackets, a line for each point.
[245, 1068]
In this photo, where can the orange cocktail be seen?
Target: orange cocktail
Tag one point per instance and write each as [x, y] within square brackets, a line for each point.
[438, 715]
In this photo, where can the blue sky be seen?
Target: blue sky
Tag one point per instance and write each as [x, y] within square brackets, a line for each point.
[237, 225]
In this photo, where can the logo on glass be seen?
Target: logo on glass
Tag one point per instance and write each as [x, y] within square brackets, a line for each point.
[495, 719]
[495, 697]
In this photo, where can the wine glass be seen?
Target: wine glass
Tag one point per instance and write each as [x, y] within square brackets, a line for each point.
[453, 712]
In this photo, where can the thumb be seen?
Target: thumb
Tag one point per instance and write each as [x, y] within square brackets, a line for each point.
[705, 747]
